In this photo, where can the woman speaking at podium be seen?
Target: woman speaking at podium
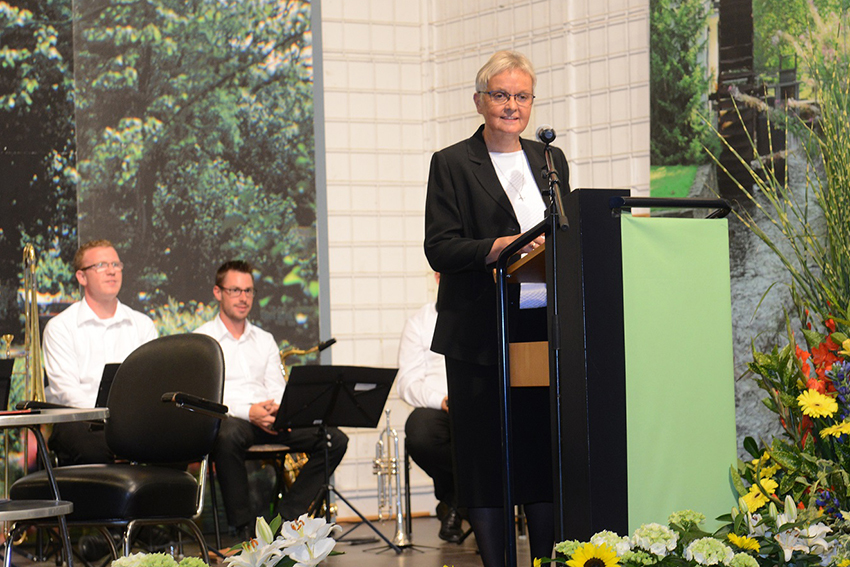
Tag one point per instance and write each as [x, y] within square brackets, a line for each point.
[483, 193]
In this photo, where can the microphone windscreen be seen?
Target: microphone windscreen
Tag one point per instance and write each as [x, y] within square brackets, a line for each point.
[546, 134]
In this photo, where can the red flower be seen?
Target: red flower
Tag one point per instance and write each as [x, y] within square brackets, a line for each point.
[824, 355]
[830, 324]
[806, 429]
[813, 384]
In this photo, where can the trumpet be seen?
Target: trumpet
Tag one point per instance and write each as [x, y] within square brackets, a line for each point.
[386, 467]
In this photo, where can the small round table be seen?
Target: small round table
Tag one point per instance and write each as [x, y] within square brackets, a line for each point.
[17, 510]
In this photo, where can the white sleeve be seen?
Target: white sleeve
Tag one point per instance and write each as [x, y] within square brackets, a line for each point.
[147, 332]
[413, 352]
[63, 368]
[273, 379]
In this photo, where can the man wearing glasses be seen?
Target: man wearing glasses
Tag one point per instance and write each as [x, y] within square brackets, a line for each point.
[253, 388]
[81, 340]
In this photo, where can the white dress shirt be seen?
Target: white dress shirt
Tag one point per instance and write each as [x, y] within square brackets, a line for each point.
[78, 344]
[518, 181]
[251, 366]
[421, 378]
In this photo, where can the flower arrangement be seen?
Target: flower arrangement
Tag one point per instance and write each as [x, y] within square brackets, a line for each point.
[157, 560]
[808, 389]
[304, 542]
[747, 540]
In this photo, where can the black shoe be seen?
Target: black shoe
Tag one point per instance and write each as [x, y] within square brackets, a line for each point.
[451, 528]
[93, 547]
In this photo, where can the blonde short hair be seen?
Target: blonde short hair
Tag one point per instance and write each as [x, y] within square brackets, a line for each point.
[78, 257]
[500, 62]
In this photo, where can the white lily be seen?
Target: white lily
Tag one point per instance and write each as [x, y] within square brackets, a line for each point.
[309, 555]
[814, 536]
[259, 551]
[790, 508]
[790, 542]
[306, 530]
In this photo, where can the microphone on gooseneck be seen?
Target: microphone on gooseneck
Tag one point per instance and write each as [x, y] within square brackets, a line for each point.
[546, 134]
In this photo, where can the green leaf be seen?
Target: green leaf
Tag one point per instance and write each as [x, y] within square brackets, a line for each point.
[752, 448]
[737, 482]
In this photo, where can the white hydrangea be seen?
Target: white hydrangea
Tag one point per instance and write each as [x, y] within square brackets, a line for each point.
[619, 544]
[655, 538]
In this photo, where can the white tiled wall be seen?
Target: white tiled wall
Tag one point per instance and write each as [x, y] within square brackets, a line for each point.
[398, 79]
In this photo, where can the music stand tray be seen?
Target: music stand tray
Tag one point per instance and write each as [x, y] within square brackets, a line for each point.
[344, 396]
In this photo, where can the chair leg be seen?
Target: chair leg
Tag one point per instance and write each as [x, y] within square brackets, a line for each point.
[214, 502]
[10, 537]
[202, 543]
[109, 540]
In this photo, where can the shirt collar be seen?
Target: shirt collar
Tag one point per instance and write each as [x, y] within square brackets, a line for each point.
[221, 332]
[86, 314]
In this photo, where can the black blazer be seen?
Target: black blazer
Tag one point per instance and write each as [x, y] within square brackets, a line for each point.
[466, 209]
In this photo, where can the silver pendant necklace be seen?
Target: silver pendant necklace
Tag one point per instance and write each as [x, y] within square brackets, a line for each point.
[512, 183]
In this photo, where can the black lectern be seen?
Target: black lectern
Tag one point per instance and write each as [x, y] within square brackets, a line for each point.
[582, 265]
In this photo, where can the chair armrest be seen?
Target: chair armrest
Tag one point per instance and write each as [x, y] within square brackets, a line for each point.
[35, 404]
[196, 403]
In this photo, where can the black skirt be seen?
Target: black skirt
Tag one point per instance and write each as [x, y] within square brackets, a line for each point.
[476, 437]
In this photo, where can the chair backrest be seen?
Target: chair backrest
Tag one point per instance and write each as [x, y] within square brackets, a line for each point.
[141, 427]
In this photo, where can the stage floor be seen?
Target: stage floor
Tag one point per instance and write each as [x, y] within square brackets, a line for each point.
[428, 549]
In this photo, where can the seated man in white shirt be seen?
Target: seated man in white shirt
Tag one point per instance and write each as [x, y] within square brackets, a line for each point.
[422, 383]
[253, 388]
[81, 340]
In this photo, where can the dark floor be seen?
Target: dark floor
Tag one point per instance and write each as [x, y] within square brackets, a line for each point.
[360, 547]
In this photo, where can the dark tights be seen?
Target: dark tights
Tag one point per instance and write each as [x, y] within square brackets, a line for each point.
[489, 527]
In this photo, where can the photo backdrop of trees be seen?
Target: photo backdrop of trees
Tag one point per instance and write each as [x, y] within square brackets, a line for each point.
[180, 131]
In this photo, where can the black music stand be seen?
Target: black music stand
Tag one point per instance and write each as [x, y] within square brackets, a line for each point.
[6, 366]
[343, 396]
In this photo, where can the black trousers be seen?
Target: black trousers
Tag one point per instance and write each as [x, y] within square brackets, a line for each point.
[79, 444]
[429, 443]
[235, 437]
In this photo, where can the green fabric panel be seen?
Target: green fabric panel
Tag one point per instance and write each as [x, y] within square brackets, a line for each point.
[680, 388]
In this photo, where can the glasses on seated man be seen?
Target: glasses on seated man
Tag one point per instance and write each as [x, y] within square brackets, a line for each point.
[101, 267]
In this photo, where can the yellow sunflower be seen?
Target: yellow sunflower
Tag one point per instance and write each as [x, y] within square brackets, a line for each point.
[815, 404]
[744, 542]
[755, 499]
[768, 472]
[836, 430]
[592, 555]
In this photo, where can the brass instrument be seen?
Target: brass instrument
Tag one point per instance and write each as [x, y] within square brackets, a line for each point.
[32, 337]
[284, 354]
[387, 466]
